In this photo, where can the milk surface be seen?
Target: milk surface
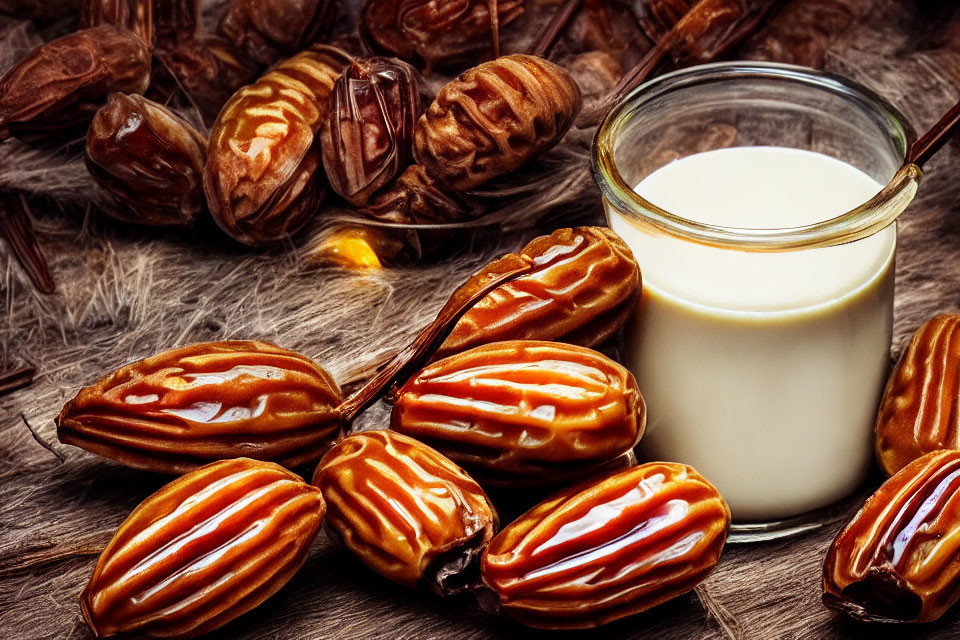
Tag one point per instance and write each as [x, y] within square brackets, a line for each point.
[762, 370]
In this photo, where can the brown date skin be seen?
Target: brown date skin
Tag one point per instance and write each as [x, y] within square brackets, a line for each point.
[585, 286]
[135, 15]
[265, 31]
[147, 162]
[494, 118]
[608, 548]
[414, 198]
[203, 550]
[405, 510]
[180, 409]
[920, 410]
[897, 560]
[261, 176]
[60, 85]
[524, 413]
[379, 29]
[368, 130]
[39, 9]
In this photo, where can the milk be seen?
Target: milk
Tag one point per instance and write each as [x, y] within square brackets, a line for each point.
[762, 370]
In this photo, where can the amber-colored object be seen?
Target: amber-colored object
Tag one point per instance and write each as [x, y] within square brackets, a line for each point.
[585, 285]
[266, 30]
[260, 179]
[203, 550]
[524, 412]
[355, 247]
[368, 130]
[415, 198]
[897, 560]
[406, 511]
[207, 69]
[60, 84]
[147, 162]
[135, 15]
[608, 548]
[920, 410]
[180, 409]
[494, 118]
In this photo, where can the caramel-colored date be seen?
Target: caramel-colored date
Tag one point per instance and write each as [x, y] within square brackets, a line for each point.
[266, 30]
[494, 118]
[608, 548]
[180, 409]
[920, 410]
[585, 285]
[406, 511]
[203, 550]
[60, 84]
[261, 176]
[147, 162]
[524, 412]
[897, 560]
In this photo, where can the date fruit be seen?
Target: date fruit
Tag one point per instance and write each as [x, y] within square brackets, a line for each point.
[415, 199]
[180, 409]
[61, 84]
[406, 511]
[147, 162]
[203, 550]
[260, 178]
[524, 412]
[608, 548]
[368, 130]
[920, 410]
[379, 29]
[494, 118]
[585, 285]
[135, 15]
[897, 560]
[266, 30]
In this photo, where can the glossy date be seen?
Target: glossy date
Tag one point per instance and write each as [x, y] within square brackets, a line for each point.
[265, 31]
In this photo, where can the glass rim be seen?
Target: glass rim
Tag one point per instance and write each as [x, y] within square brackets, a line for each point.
[868, 218]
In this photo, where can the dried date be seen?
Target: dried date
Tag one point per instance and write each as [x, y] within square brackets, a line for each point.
[147, 162]
[920, 410]
[494, 118]
[379, 29]
[135, 15]
[414, 198]
[585, 285]
[60, 85]
[266, 30]
[203, 550]
[260, 178]
[896, 561]
[368, 130]
[524, 412]
[608, 548]
[406, 511]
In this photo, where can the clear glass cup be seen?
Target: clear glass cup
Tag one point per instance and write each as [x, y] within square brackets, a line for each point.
[775, 406]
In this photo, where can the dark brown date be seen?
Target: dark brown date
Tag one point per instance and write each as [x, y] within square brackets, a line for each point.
[176, 20]
[261, 176]
[495, 118]
[39, 9]
[414, 198]
[379, 29]
[524, 412]
[135, 15]
[368, 130]
[406, 511]
[147, 162]
[61, 84]
[267, 30]
[896, 561]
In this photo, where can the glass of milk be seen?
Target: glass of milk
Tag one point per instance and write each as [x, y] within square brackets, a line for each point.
[760, 202]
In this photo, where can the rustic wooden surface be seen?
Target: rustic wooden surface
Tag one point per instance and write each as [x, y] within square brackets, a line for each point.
[125, 293]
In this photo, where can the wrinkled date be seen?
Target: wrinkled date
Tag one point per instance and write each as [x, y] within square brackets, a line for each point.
[379, 28]
[414, 198]
[406, 511]
[266, 30]
[920, 410]
[368, 130]
[203, 550]
[61, 84]
[260, 178]
[608, 548]
[135, 15]
[147, 162]
[180, 409]
[584, 287]
[897, 560]
[523, 412]
[493, 119]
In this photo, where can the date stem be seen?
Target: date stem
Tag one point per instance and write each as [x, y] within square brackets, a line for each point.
[16, 229]
[16, 379]
[418, 352]
[494, 10]
[555, 28]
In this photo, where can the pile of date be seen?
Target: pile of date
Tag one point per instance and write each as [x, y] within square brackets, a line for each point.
[503, 392]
